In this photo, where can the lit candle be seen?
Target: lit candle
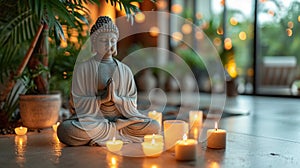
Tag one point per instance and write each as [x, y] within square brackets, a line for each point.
[186, 149]
[152, 149]
[195, 118]
[155, 116]
[114, 145]
[21, 130]
[173, 131]
[194, 133]
[216, 138]
[54, 127]
[157, 138]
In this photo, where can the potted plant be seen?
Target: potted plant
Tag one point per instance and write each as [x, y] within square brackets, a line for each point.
[26, 26]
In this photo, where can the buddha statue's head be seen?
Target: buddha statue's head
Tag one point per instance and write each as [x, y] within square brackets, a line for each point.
[104, 35]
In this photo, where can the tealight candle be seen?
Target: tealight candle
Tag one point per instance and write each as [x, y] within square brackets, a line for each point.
[195, 118]
[114, 145]
[157, 138]
[173, 131]
[186, 149]
[21, 130]
[155, 116]
[216, 138]
[152, 149]
[54, 127]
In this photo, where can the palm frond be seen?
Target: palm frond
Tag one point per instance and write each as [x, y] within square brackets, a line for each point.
[12, 101]
[22, 28]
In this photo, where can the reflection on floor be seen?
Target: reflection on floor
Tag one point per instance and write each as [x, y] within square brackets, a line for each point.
[269, 136]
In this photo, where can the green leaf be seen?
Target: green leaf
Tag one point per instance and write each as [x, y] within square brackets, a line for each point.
[81, 18]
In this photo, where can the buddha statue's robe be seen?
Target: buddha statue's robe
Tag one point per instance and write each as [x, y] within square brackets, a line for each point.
[94, 123]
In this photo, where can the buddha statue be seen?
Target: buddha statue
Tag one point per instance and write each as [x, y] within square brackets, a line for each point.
[104, 96]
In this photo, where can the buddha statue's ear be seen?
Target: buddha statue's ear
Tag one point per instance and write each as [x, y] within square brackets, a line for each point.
[115, 53]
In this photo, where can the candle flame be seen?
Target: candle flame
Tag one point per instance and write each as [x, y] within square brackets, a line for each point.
[216, 125]
[153, 141]
[154, 111]
[114, 139]
[196, 116]
[21, 127]
[57, 123]
[184, 137]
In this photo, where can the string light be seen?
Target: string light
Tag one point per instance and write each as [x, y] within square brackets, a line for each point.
[186, 28]
[243, 35]
[290, 24]
[154, 31]
[233, 21]
[227, 44]
[289, 32]
[176, 8]
[140, 17]
[177, 36]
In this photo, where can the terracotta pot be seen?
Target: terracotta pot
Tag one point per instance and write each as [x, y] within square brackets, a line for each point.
[40, 111]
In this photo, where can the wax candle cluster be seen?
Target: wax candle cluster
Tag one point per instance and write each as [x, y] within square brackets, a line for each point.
[174, 138]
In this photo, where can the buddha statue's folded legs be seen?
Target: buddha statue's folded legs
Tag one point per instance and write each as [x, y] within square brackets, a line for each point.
[70, 134]
[141, 129]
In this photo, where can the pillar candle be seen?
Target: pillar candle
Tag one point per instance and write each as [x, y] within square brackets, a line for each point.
[114, 145]
[186, 149]
[216, 138]
[157, 138]
[155, 116]
[194, 133]
[21, 130]
[174, 131]
[195, 118]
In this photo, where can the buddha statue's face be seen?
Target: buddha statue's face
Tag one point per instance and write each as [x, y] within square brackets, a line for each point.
[106, 44]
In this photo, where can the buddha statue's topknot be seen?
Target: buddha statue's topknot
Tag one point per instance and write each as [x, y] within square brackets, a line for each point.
[103, 24]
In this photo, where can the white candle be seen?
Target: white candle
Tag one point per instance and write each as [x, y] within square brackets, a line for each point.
[186, 149]
[152, 149]
[21, 130]
[155, 116]
[114, 145]
[157, 138]
[174, 131]
[195, 118]
[216, 138]
[54, 127]
[194, 133]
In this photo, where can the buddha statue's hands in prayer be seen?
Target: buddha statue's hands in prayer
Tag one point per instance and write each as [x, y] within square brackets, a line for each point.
[111, 96]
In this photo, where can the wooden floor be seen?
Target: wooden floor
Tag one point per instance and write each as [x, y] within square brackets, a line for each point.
[269, 136]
